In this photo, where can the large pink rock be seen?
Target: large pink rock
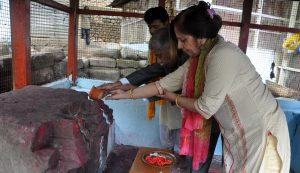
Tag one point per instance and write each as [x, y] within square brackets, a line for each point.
[52, 130]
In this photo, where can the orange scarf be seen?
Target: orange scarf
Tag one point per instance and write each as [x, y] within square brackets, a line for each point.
[151, 104]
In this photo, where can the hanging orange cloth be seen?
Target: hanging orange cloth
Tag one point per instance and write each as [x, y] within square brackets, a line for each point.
[151, 104]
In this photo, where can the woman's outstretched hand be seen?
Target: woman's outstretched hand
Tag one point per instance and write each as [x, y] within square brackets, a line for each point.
[117, 94]
[168, 95]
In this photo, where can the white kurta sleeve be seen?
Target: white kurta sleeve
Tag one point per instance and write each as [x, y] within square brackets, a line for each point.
[222, 68]
[173, 81]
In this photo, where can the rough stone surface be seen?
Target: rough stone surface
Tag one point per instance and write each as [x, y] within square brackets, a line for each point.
[106, 28]
[51, 130]
[105, 52]
[42, 76]
[124, 63]
[60, 69]
[39, 43]
[102, 62]
[57, 53]
[104, 74]
[41, 60]
[129, 53]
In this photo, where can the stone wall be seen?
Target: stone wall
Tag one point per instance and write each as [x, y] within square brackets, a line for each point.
[106, 29]
[108, 61]
[101, 3]
[103, 28]
[119, 29]
[50, 64]
[47, 65]
[49, 27]
[111, 61]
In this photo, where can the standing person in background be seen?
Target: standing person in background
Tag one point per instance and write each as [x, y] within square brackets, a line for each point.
[220, 81]
[86, 27]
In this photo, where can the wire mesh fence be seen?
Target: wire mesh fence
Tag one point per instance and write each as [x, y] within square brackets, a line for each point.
[115, 46]
[49, 43]
[274, 53]
[118, 46]
[5, 48]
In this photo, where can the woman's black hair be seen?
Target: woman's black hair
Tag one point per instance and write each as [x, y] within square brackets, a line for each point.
[199, 21]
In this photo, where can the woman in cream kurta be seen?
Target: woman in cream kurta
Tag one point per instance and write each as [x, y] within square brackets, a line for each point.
[254, 128]
[248, 115]
[243, 106]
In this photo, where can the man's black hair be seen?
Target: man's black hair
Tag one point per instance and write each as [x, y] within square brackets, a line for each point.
[156, 13]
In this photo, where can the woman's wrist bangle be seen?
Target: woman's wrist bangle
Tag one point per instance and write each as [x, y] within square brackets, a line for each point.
[176, 100]
[131, 93]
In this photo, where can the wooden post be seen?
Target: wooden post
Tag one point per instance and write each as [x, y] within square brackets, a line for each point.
[73, 41]
[20, 36]
[245, 25]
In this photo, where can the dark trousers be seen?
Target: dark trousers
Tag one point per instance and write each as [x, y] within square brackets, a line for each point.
[85, 34]
[184, 163]
[215, 132]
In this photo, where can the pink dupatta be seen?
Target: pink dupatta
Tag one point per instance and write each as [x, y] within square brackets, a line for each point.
[195, 130]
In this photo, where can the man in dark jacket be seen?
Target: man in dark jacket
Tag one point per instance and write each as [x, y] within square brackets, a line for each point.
[170, 117]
